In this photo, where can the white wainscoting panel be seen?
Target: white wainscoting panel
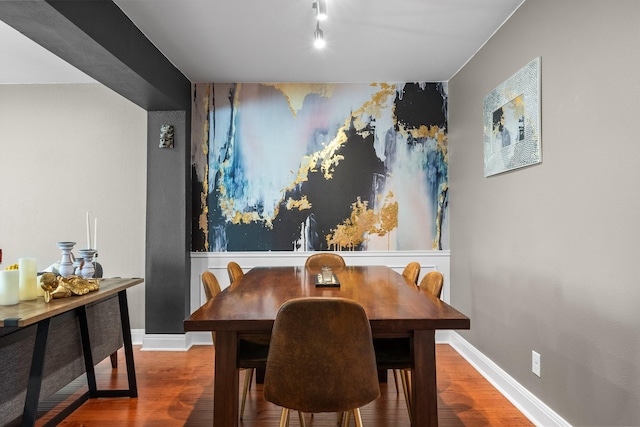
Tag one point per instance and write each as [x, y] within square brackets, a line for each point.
[217, 262]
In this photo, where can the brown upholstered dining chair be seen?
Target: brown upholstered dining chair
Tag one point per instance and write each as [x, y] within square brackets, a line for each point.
[250, 355]
[315, 262]
[235, 272]
[411, 272]
[321, 358]
[432, 283]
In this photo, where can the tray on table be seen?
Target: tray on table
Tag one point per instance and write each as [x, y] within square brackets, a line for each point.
[333, 283]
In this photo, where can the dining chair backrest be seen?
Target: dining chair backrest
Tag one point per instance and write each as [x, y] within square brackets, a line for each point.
[411, 272]
[211, 289]
[432, 283]
[316, 261]
[211, 285]
[321, 357]
[235, 272]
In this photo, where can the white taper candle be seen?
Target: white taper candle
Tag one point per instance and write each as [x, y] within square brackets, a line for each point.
[88, 232]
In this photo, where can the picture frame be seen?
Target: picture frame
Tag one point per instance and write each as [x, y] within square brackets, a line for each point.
[512, 122]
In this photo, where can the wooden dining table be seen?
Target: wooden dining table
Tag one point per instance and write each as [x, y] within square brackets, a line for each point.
[395, 308]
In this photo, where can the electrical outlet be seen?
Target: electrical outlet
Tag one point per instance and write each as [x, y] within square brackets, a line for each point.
[535, 363]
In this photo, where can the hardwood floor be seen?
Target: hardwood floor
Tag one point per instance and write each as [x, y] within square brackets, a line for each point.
[176, 389]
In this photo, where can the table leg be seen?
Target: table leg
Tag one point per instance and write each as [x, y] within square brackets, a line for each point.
[132, 391]
[86, 350]
[128, 343]
[225, 386]
[35, 374]
[425, 392]
[93, 392]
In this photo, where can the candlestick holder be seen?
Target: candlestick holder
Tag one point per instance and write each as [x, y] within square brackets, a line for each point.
[97, 266]
[66, 265]
[88, 270]
[77, 266]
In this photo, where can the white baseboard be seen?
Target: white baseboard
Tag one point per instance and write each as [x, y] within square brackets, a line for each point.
[166, 342]
[201, 338]
[442, 337]
[533, 408]
[137, 336]
[169, 342]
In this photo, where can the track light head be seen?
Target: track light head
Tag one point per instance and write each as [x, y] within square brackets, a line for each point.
[318, 37]
[321, 9]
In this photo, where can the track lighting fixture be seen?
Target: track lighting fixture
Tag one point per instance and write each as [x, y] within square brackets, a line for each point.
[318, 37]
[321, 9]
[321, 13]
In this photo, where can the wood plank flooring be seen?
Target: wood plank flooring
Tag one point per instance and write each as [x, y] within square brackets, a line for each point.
[176, 389]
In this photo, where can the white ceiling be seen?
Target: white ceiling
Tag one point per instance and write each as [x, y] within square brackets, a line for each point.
[269, 41]
[26, 62]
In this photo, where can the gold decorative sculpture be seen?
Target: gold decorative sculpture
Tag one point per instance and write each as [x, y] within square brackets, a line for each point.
[49, 283]
[62, 287]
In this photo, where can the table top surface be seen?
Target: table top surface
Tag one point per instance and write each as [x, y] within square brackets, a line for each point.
[391, 303]
[33, 311]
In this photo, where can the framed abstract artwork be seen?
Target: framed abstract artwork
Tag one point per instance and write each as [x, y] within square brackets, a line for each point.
[512, 122]
[320, 166]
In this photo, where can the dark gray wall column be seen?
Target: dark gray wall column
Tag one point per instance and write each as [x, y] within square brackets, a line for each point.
[168, 265]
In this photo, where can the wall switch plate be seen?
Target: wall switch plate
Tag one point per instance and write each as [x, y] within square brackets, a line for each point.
[535, 363]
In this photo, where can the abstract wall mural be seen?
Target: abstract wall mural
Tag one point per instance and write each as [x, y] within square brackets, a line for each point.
[310, 167]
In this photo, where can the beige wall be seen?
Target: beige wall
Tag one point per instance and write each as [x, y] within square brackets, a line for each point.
[65, 150]
[545, 258]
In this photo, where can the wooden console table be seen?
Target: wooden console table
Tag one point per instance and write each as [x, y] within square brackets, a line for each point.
[37, 312]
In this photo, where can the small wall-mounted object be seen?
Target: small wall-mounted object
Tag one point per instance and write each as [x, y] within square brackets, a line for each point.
[166, 136]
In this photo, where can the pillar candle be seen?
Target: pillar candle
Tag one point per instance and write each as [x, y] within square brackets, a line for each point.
[28, 278]
[9, 286]
[39, 289]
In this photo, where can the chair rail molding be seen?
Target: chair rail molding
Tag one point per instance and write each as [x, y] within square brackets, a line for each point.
[216, 262]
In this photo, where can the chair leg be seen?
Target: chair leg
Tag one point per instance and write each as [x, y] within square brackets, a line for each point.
[357, 417]
[405, 375]
[114, 360]
[344, 419]
[301, 418]
[248, 375]
[395, 379]
[251, 372]
[284, 417]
